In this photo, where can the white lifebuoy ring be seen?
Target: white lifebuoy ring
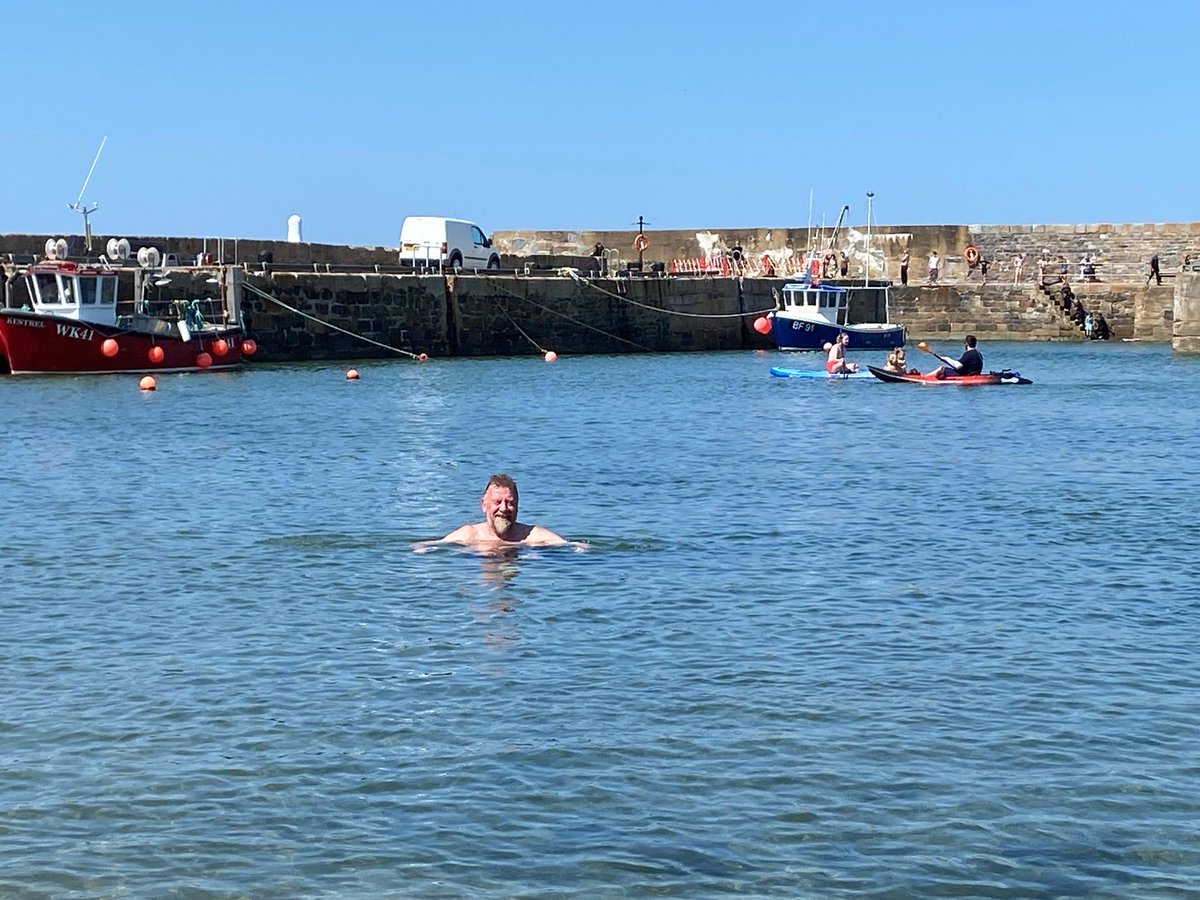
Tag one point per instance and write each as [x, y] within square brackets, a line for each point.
[972, 255]
[640, 243]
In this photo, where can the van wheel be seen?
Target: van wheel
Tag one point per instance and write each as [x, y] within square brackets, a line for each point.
[494, 263]
[455, 260]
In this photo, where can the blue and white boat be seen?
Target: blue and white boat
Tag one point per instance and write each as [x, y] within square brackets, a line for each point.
[811, 314]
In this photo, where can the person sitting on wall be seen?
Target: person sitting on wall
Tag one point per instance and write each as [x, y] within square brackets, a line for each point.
[1078, 314]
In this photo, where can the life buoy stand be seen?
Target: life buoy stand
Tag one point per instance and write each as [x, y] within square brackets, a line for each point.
[972, 255]
[641, 243]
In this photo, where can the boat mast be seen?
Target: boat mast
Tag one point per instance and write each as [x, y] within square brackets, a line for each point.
[79, 206]
[867, 281]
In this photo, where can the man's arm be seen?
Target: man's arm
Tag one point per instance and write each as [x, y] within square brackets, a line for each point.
[462, 535]
[544, 537]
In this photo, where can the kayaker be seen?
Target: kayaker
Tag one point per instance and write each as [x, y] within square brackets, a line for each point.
[499, 527]
[837, 364]
[970, 363]
[896, 361]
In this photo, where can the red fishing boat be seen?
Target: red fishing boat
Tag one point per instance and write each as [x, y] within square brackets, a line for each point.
[62, 316]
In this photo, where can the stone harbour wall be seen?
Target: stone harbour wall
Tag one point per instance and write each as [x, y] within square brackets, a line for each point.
[531, 306]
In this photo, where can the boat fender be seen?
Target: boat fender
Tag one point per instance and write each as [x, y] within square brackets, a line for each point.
[972, 255]
[641, 243]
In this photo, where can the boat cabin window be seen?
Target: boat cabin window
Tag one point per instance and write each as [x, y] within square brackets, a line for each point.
[47, 289]
[87, 290]
[108, 290]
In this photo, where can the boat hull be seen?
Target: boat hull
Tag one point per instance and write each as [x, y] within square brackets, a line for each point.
[35, 344]
[987, 378]
[818, 374]
[792, 333]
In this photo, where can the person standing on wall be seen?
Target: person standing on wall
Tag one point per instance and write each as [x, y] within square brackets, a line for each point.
[904, 261]
[1155, 273]
[934, 263]
[1018, 264]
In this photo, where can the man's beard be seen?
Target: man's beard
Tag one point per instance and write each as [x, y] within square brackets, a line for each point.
[501, 524]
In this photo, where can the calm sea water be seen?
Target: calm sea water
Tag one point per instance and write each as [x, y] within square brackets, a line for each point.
[831, 639]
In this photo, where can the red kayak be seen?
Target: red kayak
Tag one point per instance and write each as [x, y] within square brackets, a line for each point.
[914, 377]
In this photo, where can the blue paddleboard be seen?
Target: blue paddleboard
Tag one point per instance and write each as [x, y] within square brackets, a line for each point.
[780, 372]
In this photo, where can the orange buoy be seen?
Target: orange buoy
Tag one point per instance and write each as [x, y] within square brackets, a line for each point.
[352, 375]
[156, 354]
[249, 346]
[148, 383]
[551, 356]
[220, 347]
[762, 325]
[424, 357]
[109, 347]
[641, 243]
[204, 360]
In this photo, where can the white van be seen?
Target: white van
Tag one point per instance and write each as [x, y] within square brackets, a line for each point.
[436, 241]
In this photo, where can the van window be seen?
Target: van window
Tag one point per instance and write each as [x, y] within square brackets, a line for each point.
[478, 237]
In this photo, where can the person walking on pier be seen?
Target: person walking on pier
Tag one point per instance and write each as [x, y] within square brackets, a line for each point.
[1154, 270]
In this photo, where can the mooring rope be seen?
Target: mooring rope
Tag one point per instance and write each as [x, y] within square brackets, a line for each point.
[575, 321]
[670, 312]
[539, 347]
[298, 312]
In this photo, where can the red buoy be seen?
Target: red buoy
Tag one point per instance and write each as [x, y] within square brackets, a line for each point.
[156, 354]
[220, 347]
[762, 325]
[249, 346]
[109, 347]
[551, 356]
[204, 360]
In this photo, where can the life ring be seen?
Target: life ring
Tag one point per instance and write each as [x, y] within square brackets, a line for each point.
[640, 243]
[972, 255]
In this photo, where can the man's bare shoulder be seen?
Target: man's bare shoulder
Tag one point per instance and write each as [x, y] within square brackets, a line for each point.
[543, 537]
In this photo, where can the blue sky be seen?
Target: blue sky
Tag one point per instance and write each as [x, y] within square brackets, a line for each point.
[223, 118]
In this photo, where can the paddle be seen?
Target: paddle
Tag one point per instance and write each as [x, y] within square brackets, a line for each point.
[953, 363]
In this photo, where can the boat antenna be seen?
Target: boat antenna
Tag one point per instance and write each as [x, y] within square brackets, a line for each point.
[867, 280]
[810, 203]
[78, 205]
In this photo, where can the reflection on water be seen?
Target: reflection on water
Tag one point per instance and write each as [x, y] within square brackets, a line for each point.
[827, 627]
[499, 568]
